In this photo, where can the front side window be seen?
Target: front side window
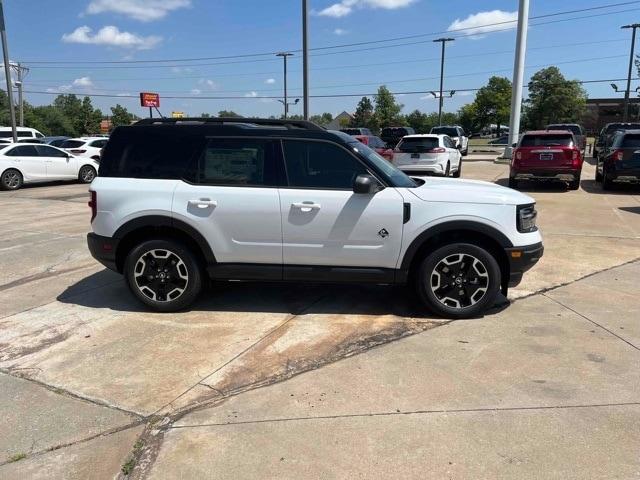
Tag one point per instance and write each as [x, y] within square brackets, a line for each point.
[237, 162]
[320, 165]
[46, 151]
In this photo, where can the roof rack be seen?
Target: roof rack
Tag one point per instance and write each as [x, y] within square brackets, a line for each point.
[289, 124]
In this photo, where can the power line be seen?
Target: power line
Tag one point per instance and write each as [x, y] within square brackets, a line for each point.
[329, 47]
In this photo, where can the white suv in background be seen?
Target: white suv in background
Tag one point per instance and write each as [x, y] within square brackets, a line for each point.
[432, 154]
[85, 146]
[178, 200]
[455, 133]
[21, 132]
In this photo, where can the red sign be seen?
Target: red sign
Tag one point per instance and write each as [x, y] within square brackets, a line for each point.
[148, 99]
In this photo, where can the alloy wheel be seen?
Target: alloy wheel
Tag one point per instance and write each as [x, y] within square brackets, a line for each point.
[459, 281]
[87, 175]
[161, 275]
[11, 179]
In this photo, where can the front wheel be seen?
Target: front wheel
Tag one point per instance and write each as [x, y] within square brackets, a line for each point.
[87, 174]
[11, 180]
[163, 274]
[460, 280]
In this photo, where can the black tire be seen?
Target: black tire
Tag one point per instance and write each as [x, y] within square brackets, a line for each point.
[11, 179]
[607, 184]
[86, 174]
[447, 172]
[598, 175]
[513, 183]
[474, 275]
[171, 264]
[465, 152]
[574, 185]
[458, 172]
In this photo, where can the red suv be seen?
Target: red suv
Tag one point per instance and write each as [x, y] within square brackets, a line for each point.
[547, 156]
[375, 143]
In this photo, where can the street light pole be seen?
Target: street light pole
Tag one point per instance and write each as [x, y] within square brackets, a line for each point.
[7, 73]
[305, 60]
[633, 28]
[20, 73]
[284, 56]
[443, 41]
[518, 76]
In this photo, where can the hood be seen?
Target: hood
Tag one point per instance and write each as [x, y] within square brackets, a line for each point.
[437, 189]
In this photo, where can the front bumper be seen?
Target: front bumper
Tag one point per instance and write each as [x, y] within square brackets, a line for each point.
[522, 259]
[103, 249]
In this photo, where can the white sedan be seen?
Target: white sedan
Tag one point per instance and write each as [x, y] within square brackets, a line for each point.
[34, 163]
[428, 154]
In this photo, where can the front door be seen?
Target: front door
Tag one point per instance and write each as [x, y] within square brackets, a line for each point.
[59, 165]
[231, 198]
[324, 222]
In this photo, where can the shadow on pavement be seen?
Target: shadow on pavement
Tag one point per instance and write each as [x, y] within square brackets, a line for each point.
[591, 186]
[527, 186]
[106, 289]
[630, 209]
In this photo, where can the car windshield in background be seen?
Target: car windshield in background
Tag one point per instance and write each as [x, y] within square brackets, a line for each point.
[399, 178]
[72, 144]
[546, 141]
[417, 145]
[622, 126]
[575, 129]
[452, 132]
[631, 141]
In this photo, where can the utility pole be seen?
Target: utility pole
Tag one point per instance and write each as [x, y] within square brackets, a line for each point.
[7, 73]
[443, 41]
[518, 76]
[284, 56]
[20, 73]
[305, 60]
[633, 28]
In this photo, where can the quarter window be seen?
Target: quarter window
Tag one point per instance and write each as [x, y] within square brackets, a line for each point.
[320, 165]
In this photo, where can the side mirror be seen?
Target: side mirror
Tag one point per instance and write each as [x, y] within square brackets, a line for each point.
[366, 184]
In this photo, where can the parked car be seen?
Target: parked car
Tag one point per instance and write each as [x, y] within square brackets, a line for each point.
[357, 131]
[577, 130]
[428, 154]
[547, 155]
[621, 161]
[455, 133]
[85, 146]
[33, 163]
[375, 143]
[175, 201]
[22, 132]
[55, 141]
[392, 135]
[607, 131]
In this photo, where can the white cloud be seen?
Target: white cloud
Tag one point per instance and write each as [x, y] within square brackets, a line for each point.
[270, 81]
[111, 36]
[196, 91]
[181, 70]
[251, 94]
[123, 94]
[208, 83]
[83, 82]
[481, 23]
[143, 10]
[340, 31]
[345, 7]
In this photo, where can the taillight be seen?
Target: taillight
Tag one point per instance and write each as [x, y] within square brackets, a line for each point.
[437, 150]
[575, 159]
[77, 151]
[518, 155]
[618, 155]
[93, 203]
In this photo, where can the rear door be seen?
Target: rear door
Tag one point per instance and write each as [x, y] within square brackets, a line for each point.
[324, 223]
[29, 162]
[59, 165]
[231, 198]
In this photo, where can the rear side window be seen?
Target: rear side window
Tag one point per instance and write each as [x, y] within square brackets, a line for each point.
[547, 141]
[631, 141]
[98, 143]
[73, 143]
[418, 145]
[236, 162]
[320, 165]
[153, 153]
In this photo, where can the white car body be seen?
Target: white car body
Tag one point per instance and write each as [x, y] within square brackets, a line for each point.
[22, 133]
[86, 146]
[457, 134]
[42, 163]
[429, 161]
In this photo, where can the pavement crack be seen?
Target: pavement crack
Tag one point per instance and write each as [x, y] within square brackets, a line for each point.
[593, 322]
[50, 272]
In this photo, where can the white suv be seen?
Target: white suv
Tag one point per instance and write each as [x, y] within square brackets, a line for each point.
[85, 146]
[457, 134]
[178, 200]
[435, 154]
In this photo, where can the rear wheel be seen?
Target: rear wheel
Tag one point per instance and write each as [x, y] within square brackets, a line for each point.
[87, 174]
[607, 183]
[458, 172]
[575, 185]
[11, 180]
[163, 274]
[598, 175]
[447, 172]
[460, 280]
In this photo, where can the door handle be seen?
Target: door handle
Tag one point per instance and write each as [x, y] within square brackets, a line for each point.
[203, 203]
[306, 206]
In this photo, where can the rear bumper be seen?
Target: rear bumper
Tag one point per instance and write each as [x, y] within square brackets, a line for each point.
[103, 249]
[623, 175]
[547, 175]
[522, 259]
[433, 168]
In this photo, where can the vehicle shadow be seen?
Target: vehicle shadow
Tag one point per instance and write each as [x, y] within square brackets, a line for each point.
[527, 186]
[591, 186]
[107, 290]
[635, 210]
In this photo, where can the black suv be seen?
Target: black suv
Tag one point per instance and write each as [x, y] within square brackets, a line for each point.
[392, 135]
[607, 132]
[620, 162]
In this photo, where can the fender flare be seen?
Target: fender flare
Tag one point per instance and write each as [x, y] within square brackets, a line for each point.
[452, 226]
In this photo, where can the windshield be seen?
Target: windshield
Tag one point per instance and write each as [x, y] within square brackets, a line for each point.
[546, 141]
[452, 132]
[398, 178]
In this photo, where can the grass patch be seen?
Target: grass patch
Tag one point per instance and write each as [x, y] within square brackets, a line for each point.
[17, 457]
[130, 464]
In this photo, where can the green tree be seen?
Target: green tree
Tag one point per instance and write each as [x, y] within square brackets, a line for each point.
[553, 99]
[387, 111]
[322, 120]
[364, 115]
[85, 119]
[121, 116]
[90, 117]
[418, 121]
[206, 115]
[49, 120]
[468, 116]
[493, 103]
[228, 113]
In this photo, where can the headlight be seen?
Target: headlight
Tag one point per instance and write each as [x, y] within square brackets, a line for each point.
[526, 217]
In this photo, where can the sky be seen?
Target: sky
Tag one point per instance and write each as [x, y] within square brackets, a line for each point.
[68, 44]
